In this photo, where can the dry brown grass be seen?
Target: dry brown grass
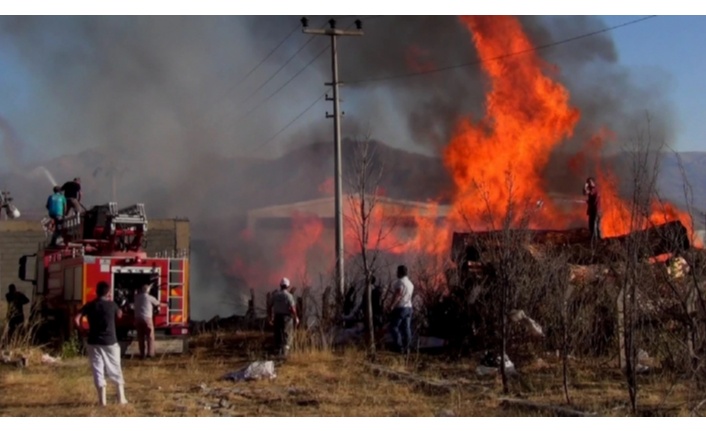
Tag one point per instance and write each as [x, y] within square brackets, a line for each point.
[314, 383]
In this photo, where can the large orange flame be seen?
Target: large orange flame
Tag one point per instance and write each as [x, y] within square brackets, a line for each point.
[497, 162]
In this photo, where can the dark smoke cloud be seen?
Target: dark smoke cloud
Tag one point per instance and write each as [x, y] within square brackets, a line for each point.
[424, 110]
[161, 102]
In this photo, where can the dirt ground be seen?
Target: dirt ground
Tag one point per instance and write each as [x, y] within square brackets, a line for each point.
[316, 383]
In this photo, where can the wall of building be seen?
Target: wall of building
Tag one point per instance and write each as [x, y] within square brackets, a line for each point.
[21, 237]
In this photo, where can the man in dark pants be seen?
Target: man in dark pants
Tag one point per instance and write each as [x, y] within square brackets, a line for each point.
[594, 208]
[401, 325]
[15, 310]
[282, 311]
[72, 193]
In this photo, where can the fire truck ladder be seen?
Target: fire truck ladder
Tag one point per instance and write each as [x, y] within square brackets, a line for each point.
[175, 298]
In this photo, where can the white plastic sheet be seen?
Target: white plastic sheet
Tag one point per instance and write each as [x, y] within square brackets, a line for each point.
[255, 371]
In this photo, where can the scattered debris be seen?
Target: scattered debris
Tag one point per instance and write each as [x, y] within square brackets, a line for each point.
[532, 406]
[48, 359]
[643, 362]
[433, 387]
[482, 371]
[255, 371]
[490, 365]
[678, 267]
[8, 359]
[533, 327]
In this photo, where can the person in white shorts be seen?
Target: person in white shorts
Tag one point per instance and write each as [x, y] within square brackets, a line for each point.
[103, 347]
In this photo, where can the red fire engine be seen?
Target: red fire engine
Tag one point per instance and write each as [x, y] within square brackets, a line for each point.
[107, 244]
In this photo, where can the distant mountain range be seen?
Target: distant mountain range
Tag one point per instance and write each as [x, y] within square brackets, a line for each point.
[227, 187]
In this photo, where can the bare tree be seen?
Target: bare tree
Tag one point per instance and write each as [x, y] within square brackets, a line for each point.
[510, 260]
[644, 171]
[369, 224]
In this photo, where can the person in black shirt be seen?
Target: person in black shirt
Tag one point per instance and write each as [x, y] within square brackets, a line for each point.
[15, 310]
[103, 347]
[593, 199]
[72, 193]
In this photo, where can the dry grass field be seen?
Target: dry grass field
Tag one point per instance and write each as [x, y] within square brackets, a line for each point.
[325, 383]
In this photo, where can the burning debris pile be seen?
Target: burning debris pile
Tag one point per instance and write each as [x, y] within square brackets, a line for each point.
[563, 279]
[576, 244]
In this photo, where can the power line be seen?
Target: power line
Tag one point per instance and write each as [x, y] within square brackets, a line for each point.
[307, 109]
[296, 27]
[278, 70]
[233, 87]
[294, 120]
[281, 87]
[500, 57]
[218, 121]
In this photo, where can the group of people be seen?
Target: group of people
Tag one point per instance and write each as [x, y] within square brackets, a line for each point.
[283, 315]
[61, 202]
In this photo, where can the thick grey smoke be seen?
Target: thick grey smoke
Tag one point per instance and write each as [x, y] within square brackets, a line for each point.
[161, 105]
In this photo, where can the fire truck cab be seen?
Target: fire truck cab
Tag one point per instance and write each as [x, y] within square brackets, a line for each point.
[107, 244]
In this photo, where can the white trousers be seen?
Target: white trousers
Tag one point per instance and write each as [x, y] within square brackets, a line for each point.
[105, 362]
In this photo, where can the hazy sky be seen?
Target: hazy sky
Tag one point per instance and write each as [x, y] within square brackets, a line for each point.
[670, 46]
[70, 83]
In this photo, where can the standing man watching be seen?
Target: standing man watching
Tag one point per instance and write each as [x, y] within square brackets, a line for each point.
[282, 311]
[15, 310]
[401, 325]
[144, 307]
[103, 347]
[593, 199]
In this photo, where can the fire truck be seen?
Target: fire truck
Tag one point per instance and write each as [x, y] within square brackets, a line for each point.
[107, 244]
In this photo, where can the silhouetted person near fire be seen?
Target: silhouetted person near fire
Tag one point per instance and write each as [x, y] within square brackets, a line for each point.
[15, 310]
[72, 193]
[593, 199]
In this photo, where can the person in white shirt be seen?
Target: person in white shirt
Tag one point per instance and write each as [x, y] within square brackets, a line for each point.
[144, 304]
[401, 318]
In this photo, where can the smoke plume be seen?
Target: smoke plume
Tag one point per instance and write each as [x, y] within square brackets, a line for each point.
[158, 111]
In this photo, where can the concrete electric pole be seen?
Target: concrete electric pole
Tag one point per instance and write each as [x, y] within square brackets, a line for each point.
[333, 32]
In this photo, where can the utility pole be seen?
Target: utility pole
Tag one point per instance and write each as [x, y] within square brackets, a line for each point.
[333, 32]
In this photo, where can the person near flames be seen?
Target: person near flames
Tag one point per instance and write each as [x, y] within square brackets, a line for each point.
[401, 318]
[590, 190]
[15, 310]
[56, 207]
[72, 192]
[283, 316]
[103, 347]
